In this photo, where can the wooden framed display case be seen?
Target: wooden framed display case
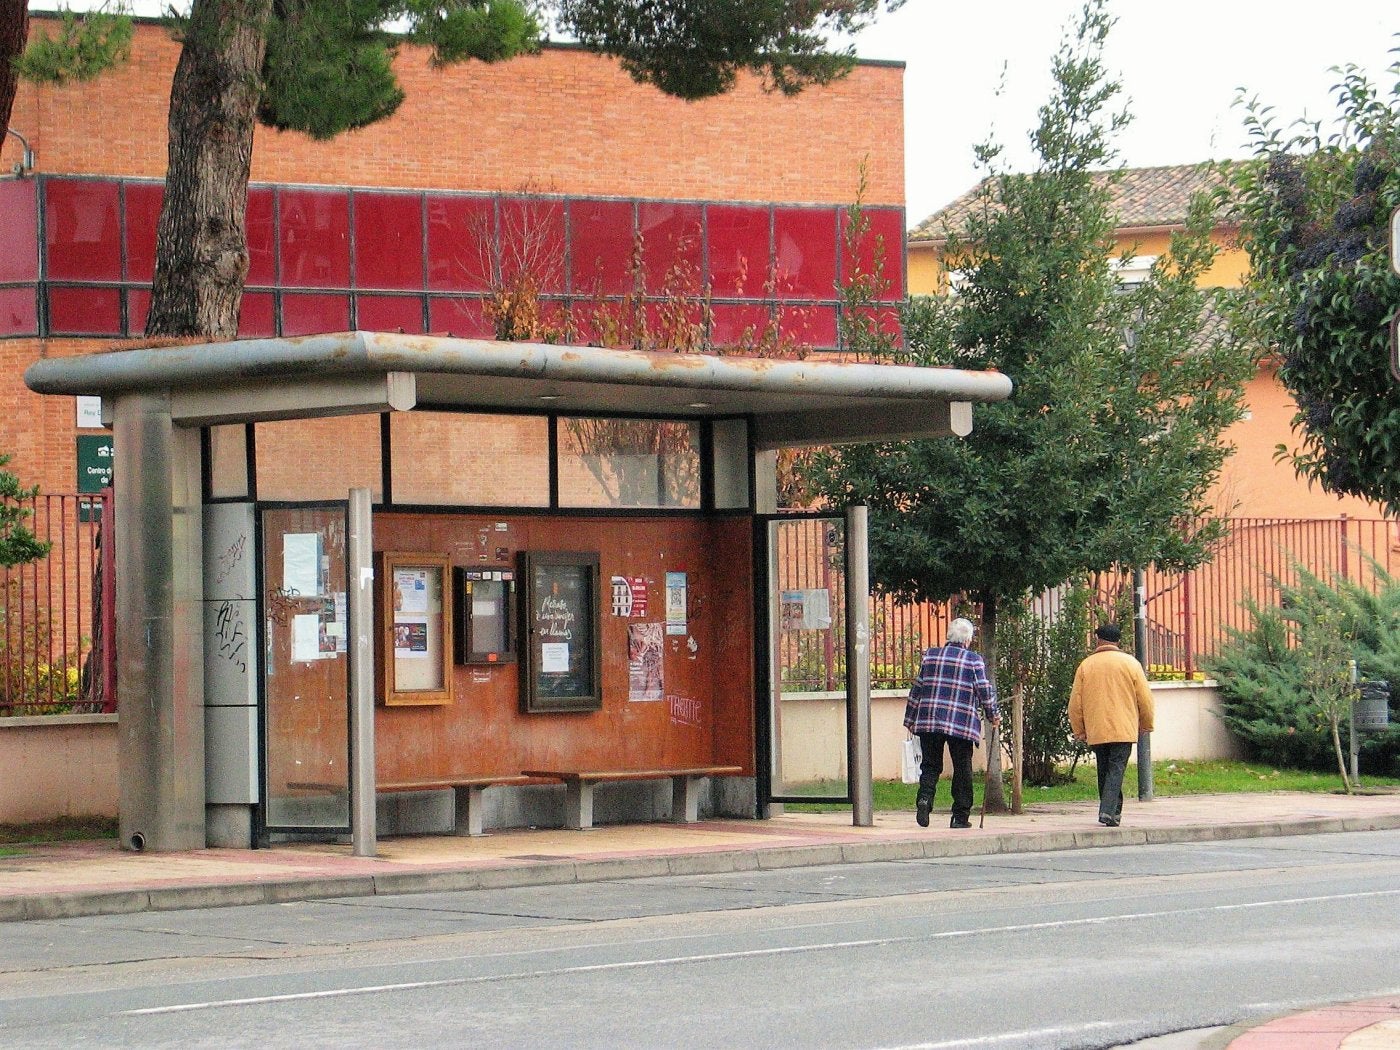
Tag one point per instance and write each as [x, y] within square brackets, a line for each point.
[415, 651]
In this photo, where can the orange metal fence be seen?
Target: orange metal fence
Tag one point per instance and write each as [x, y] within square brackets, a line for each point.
[1188, 614]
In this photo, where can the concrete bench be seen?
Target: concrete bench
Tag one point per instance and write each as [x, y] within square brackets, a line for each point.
[579, 784]
[467, 791]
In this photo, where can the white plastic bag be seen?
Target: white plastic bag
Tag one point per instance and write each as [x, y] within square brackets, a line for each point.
[912, 759]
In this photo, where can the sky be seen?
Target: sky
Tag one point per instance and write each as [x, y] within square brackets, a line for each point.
[1182, 64]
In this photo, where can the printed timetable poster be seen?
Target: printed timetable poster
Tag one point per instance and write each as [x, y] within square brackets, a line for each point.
[675, 603]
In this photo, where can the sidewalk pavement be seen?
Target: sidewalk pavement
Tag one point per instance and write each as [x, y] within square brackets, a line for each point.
[65, 880]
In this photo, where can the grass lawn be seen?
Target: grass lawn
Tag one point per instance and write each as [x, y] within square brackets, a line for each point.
[60, 829]
[1168, 778]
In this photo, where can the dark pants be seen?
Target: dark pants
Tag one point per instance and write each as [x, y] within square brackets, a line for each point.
[932, 768]
[1112, 760]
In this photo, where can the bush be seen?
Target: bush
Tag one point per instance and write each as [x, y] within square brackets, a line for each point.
[1261, 674]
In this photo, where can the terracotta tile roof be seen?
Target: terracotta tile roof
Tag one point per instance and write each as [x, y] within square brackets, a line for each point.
[1142, 197]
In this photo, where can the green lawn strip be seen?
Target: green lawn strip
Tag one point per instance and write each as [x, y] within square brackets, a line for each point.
[59, 829]
[1168, 778]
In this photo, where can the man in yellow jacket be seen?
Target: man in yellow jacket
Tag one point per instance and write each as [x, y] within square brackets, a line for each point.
[1109, 706]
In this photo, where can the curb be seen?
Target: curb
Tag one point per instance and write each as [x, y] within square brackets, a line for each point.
[553, 873]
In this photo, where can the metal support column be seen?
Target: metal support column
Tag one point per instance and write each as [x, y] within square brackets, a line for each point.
[159, 627]
[362, 782]
[1144, 741]
[858, 761]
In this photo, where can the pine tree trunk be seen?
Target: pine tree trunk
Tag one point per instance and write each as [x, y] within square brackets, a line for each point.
[201, 242]
[14, 33]
[994, 790]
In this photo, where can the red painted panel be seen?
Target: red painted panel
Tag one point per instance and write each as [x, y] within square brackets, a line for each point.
[461, 316]
[532, 242]
[739, 250]
[257, 315]
[805, 253]
[19, 230]
[85, 311]
[883, 238]
[708, 714]
[672, 247]
[82, 226]
[142, 200]
[600, 247]
[388, 240]
[261, 227]
[138, 305]
[813, 327]
[304, 314]
[18, 314]
[461, 233]
[315, 238]
[738, 326]
[884, 319]
[389, 313]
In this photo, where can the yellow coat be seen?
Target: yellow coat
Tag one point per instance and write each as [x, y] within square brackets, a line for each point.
[1110, 702]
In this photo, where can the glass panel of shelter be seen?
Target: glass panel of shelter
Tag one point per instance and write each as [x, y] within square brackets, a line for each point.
[807, 662]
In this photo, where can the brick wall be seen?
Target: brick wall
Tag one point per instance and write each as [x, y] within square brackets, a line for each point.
[564, 121]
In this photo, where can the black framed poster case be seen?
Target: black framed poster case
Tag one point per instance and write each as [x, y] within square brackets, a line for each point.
[560, 632]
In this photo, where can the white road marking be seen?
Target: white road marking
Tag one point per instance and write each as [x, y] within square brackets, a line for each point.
[752, 953]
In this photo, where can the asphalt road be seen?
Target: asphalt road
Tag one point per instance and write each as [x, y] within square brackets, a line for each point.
[1087, 948]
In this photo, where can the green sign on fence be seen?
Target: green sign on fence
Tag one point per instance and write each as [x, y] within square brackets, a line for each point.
[96, 456]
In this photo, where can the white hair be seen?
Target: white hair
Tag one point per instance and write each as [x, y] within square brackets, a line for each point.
[960, 631]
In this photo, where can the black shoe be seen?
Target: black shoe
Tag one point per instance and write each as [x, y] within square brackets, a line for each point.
[956, 823]
[921, 811]
[1107, 821]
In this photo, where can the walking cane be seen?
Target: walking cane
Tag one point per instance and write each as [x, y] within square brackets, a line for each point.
[991, 743]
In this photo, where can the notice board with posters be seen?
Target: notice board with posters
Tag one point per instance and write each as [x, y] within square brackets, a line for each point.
[560, 632]
[415, 602]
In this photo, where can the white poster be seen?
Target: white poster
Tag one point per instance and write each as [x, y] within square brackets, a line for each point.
[306, 637]
[301, 564]
[411, 590]
[554, 657]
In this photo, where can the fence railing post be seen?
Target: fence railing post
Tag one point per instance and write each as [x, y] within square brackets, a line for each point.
[1188, 627]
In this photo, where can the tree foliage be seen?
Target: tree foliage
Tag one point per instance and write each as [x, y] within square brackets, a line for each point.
[1314, 212]
[1269, 672]
[326, 66]
[1106, 451]
[18, 545]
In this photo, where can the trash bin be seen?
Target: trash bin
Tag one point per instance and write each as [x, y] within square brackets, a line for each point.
[1372, 707]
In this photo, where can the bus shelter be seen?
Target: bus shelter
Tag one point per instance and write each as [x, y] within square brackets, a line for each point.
[359, 572]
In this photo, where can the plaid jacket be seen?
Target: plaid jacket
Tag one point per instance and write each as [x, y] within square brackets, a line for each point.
[945, 698]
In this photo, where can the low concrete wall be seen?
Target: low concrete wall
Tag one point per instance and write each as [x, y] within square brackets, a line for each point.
[1188, 727]
[58, 766]
[66, 765]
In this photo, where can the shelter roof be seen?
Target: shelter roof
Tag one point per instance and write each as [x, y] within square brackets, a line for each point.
[790, 403]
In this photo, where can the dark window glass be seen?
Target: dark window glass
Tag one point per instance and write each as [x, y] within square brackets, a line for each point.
[315, 238]
[262, 237]
[19, 231]
[143, 201]
[600, 247]
[738, 250]
[83, 230]
[85, 311]
[388, 240]
[18, 314]
[672, 248]
[389, 313]
[461, 240]
[883, 238]
[304, 314]
[805, 253]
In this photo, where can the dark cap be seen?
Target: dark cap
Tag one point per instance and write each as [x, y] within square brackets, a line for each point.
[1109, 632]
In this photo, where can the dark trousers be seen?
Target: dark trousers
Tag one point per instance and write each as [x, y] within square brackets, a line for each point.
[932, 768]
[1112, 760]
